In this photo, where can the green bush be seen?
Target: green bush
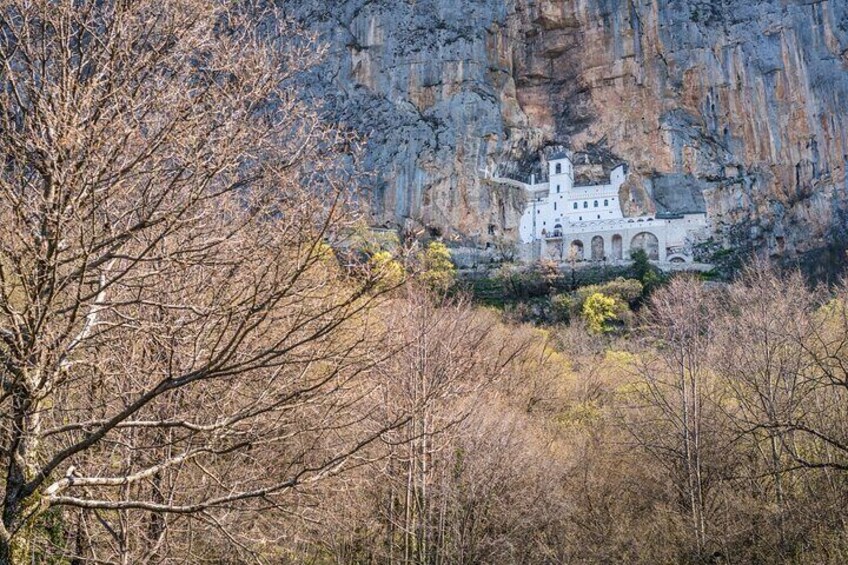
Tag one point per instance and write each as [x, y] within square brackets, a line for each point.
[628, 291]
[517, 282]
[651, 281]
[368, 241]
[561, 307]
[641, 263]
[387, 272]
[650, 276]
[438, 271]
[598, 311]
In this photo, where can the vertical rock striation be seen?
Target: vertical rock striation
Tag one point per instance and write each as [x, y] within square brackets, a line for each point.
[743, 101]
[426, 82]
[735, 105]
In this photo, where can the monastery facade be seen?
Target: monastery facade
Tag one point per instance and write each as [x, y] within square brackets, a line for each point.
[565, 222]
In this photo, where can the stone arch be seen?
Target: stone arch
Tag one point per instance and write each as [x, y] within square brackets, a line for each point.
[677, 258]
[648, 242]
[617, 247]
[558, 230]
[575, 250]
[597, 248]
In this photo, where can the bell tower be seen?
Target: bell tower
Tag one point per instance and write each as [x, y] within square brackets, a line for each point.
[560, 172]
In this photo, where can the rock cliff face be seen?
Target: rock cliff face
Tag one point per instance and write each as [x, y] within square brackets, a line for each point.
[737, 105]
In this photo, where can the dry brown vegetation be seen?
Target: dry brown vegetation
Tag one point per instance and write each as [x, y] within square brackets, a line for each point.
[714, 433]
[195, 368]
[175, 335]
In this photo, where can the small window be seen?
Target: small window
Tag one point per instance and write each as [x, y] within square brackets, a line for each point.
[599, 216]
[557, 189]
[606, 203]
[575, 205]
[581, 218]
[558, 168]
[585, 204]
[596, 203]
[554, 206]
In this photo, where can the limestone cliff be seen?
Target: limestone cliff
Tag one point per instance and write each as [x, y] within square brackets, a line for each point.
[738, 105]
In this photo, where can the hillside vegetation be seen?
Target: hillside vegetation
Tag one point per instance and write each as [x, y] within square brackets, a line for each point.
[206, 356]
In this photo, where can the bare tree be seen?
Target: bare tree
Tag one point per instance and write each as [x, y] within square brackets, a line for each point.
[762, 365]
[170, 314]
[436, 378]
[465, 480]
[781, 353]
[671, 415]
[818, 420]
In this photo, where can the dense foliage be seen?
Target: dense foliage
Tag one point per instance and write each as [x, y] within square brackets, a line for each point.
[206, 357]
[714, 432]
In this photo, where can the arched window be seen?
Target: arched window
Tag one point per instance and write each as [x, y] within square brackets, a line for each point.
[575, 205]
[617, 245]
[585, 204]
[649, 243]
[606, 203]
[596, 203]
[597, 248]
[558, 168]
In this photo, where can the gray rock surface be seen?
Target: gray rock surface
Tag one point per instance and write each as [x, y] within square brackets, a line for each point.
[737, 106]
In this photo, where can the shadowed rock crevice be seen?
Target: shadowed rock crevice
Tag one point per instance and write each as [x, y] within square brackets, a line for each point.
[738, 107]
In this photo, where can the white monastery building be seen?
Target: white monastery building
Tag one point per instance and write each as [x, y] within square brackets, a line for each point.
[574, 223]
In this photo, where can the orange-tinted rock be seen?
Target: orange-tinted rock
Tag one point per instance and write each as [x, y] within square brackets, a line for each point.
[746, 100]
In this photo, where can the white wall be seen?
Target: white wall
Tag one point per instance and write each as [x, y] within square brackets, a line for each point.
[550, 210]
[671, 234]
[559, 202]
